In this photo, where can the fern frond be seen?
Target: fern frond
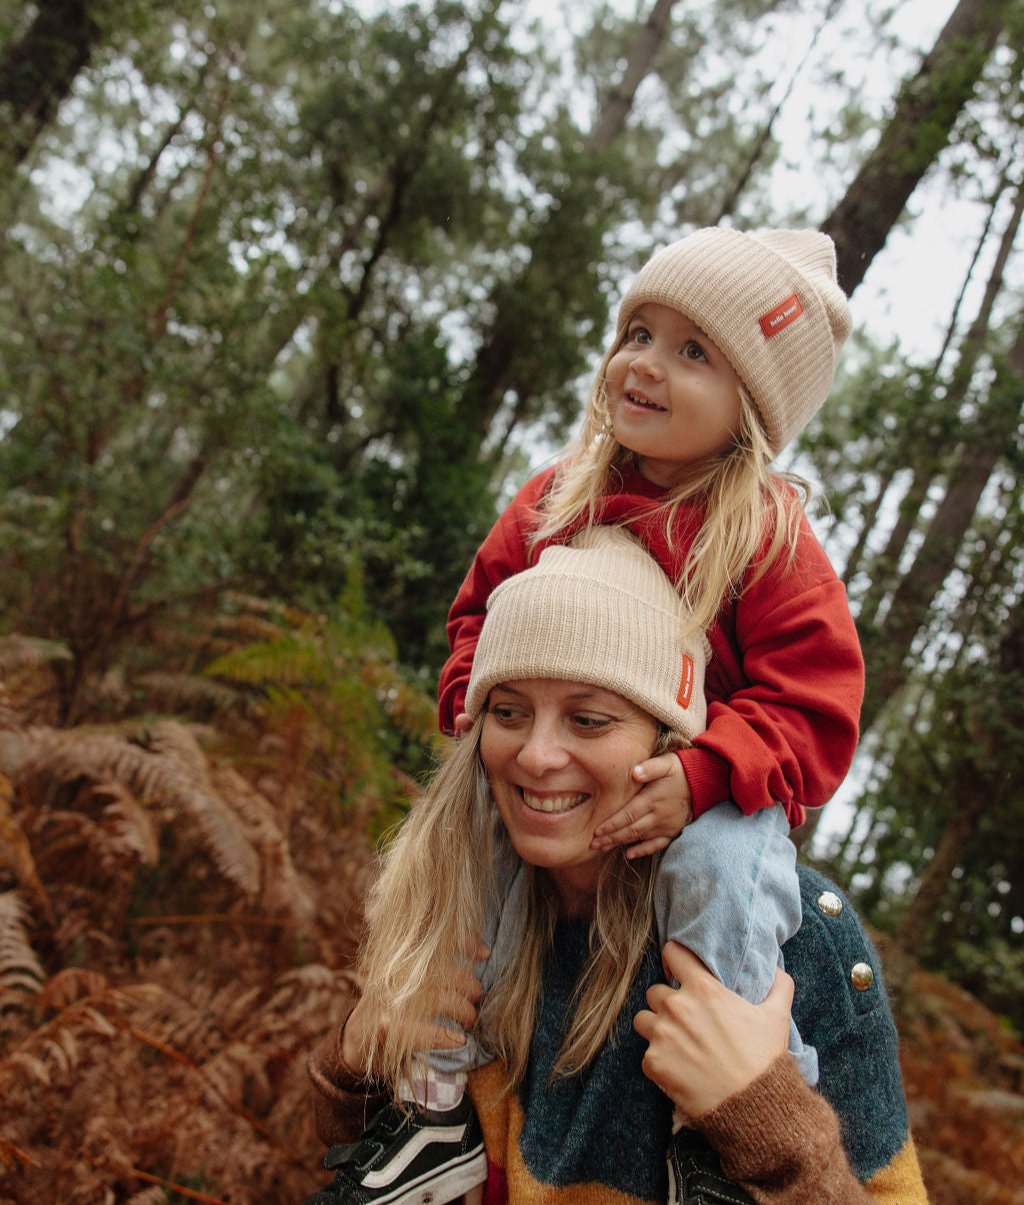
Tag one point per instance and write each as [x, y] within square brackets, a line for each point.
[172, 772]
[254, 605]
[283, 890]
[70, 985]
[191, 693]
[52, 1051]
[20, 969]
[239, 1072]
[131, 832]
[288, 659]
[29, 652]
[154, 1195]
[15, 850]
[13, 1157]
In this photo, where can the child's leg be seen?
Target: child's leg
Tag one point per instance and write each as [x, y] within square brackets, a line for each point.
[445, 1072]
[727, 890]
[434, 1151]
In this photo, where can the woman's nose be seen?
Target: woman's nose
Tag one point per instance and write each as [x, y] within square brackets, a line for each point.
[542, 751]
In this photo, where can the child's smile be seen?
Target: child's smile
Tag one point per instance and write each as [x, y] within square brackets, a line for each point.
[674, 397]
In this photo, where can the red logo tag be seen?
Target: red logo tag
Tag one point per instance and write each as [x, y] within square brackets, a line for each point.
[685, 683]
[778, 319]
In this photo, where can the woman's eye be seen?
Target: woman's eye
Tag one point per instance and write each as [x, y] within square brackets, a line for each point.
[591, 723]
[503, 712]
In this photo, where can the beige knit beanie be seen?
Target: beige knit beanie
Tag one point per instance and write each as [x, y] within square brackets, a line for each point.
[600, 611]
[769, 300]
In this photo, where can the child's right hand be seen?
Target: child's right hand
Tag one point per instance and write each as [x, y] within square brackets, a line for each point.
[657, 813]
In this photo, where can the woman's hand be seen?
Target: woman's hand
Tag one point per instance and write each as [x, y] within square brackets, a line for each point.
[705, 1042]
[460, 1004]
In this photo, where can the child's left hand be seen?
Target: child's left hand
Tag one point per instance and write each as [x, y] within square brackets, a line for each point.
[659, 811]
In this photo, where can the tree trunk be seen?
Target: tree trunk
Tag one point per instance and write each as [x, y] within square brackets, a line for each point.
[37, 71]
[990, 434]
[495, 371]
[887, 648]
[612, 119]
[976, 793]
[926, 110]
[764, 138]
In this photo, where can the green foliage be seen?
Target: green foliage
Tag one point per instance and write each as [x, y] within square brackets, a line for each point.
[333, 682]
[295, 294]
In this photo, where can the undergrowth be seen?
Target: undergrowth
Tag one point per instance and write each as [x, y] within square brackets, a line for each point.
[181, 883]
[181, 877]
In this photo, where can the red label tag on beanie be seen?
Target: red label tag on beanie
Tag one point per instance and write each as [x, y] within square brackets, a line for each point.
[778, 319]
[685, 683]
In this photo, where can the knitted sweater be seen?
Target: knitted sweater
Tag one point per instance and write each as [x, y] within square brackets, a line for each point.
[600, 1137]
[786, 677]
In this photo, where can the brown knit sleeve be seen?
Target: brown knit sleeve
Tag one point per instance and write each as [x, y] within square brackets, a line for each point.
[780, 1140]
[342, 1101]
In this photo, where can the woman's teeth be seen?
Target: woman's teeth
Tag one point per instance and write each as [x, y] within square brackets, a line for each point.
[552, 803]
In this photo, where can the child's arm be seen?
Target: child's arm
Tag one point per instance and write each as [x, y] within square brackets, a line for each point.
[659, 811]
[784, 691]
[504, 552]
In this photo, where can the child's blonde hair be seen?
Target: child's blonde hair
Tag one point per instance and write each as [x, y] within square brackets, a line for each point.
[770, 302]
[747, 505]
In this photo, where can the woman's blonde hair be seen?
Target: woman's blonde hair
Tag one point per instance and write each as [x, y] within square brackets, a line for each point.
[417, 936]
[747, 505]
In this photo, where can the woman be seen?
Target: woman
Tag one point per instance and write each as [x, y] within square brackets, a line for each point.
[591, 1047]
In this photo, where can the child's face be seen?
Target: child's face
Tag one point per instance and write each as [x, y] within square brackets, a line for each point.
[674, 398]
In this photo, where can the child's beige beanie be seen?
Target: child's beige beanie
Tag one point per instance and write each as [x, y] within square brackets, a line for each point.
[602, 611]
[769, 300]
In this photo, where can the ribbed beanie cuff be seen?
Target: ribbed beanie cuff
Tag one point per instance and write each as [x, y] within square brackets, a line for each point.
[600, 611]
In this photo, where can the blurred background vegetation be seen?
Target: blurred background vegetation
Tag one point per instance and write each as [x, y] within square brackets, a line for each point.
[294, 294]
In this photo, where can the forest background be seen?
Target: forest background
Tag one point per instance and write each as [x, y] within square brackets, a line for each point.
[292, 296]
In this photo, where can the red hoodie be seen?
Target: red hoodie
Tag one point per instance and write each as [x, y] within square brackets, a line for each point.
[786, 678]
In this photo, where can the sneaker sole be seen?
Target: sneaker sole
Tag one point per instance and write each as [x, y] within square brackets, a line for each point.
[441, 1185]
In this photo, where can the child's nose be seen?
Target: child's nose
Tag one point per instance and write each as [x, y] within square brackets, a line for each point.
[647, 363]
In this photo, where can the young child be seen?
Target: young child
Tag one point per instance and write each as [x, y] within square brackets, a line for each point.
[726, 346]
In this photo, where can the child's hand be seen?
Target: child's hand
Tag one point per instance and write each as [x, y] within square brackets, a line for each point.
[659, 811]
[462, 723]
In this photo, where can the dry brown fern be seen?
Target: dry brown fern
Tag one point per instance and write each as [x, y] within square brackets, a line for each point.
[16, 851]
[18, 653]
[164, 768]
[191, 694]
[21, 973]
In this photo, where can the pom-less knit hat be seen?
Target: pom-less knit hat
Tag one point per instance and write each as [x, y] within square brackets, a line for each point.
[769, 300]
[600, 611]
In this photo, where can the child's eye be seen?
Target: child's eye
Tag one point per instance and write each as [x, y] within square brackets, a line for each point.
[694, 351]
[638, 334]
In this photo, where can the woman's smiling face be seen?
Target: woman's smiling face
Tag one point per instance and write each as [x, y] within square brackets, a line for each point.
[558, 756]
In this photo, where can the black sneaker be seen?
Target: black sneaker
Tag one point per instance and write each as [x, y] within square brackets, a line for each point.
[695, 1174]
[420, 1157]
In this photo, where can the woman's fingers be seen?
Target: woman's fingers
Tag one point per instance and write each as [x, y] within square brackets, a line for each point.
[678, 962]
[706, 1043]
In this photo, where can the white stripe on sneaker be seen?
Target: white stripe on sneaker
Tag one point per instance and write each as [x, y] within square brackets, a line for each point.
[419, 1142]
[455, 1177]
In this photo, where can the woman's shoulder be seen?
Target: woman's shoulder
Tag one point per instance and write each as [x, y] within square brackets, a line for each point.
[841, 1008]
